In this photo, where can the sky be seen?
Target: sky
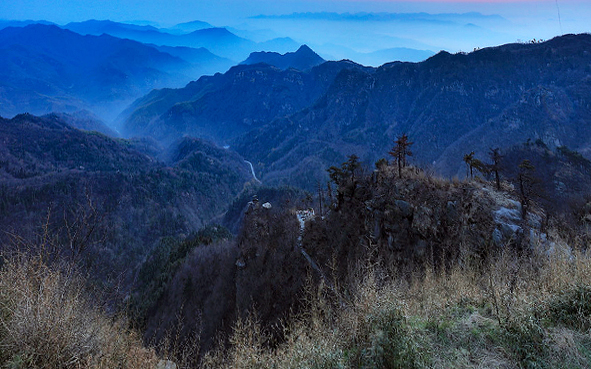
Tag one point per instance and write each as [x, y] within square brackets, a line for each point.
[226, 12]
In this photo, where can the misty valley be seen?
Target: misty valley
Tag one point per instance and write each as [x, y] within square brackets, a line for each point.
[195, 196]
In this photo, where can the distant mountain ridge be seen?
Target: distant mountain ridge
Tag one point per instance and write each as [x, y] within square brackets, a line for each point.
[223, 106]
[204, 61]
[19, 23]
[98, 27]
[188, 27]
[448, 105]
[383, 16]
[45, 68]
[218, 40]
[302, 59]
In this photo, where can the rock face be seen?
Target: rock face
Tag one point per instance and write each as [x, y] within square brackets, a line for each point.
[507, 220]
[418, 219]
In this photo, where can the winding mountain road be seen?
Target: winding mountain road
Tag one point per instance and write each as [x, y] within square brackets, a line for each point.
[252, 171]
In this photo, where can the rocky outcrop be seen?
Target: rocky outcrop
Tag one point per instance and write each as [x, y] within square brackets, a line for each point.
[405, 223]
[507, 220]
[166, 364]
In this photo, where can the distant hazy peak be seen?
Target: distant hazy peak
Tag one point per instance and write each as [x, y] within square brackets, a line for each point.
[15, 23]
[195, 23]
[303, 58]
[218, 31]
[96, 26]
[382, 16]
[192, 26]
[304, 49]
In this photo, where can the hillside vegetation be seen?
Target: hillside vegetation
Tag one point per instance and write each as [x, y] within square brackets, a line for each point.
[50, 320]
[124, 199]
[405, 279]
[394, 270]
[516, 313]
[411, 271]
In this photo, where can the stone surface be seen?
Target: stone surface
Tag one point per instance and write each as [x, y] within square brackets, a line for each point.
[404, 208]
[166, 364]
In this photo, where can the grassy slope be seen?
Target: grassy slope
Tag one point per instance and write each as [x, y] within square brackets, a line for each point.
[521, 313]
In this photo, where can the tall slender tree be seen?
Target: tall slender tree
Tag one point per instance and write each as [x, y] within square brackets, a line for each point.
[526, 181]
[400, 151]
[468, 159]
[495, 167]
[320, 197]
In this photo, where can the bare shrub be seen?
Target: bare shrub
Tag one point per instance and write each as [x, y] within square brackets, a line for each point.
[48, 322]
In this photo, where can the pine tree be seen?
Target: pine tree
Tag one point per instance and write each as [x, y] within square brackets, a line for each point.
[400, 151]
[344, 178]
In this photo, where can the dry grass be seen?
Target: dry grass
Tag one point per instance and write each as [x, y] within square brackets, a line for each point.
[46, 321]
[512, 313]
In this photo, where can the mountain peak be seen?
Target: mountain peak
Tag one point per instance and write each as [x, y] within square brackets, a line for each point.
[305, 49]
[303, 58]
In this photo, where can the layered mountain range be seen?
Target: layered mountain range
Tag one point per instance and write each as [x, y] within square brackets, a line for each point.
[45, 68]
[223, 106]
[293, 124]
[218, 40]
[103, 66]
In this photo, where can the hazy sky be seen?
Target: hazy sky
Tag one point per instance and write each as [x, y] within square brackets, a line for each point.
[226, 12]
